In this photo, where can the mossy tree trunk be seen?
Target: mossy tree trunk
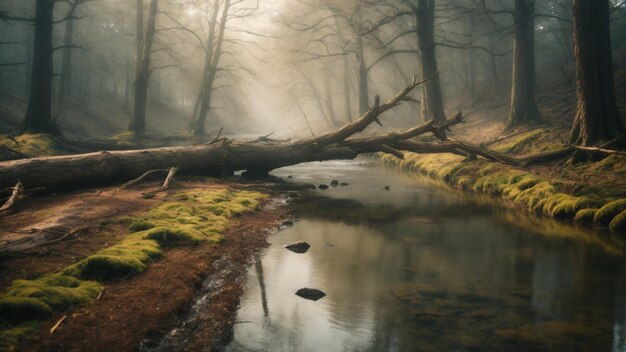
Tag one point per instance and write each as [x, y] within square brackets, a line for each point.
[38, 117]
[142, 75]
[523, 105]
[597, 118]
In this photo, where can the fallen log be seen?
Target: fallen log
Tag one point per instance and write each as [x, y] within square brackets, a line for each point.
[223, 157]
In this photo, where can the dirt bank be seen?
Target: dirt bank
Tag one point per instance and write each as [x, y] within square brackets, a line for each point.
[130, 309]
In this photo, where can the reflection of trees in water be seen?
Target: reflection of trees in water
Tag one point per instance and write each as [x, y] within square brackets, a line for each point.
[258, 265]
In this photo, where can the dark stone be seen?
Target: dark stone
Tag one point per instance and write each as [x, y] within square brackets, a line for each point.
[288, 223]
[387, 188]
[323, 187]
[334, 183]
[289, 176]
[310, 293]
[298, 247]
[344, 184]
[311, 187]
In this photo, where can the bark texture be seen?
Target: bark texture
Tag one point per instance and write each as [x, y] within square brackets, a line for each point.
[38, 118]
[142, 75]
[523, 105]
[597, 118]
[425, 28]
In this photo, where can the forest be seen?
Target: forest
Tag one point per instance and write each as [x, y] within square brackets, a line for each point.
[312, 175]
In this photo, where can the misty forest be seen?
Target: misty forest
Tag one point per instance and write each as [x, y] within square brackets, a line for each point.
[312, 175]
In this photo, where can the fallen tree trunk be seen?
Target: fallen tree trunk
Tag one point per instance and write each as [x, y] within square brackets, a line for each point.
[223, 157]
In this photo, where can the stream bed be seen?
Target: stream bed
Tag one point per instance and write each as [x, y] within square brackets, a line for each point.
[419, 267]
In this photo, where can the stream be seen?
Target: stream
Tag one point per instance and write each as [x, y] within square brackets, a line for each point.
[423, 267]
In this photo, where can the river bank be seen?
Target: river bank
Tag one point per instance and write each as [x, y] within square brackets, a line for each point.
[591, 193]
[117, 267]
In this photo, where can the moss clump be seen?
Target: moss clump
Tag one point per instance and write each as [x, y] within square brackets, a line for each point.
[515, 144]
[605, 215]
[10, 336]
[34, 299]
[126, 138]
[192, 217]
[32, 144]
[585, 216]
[619, 222]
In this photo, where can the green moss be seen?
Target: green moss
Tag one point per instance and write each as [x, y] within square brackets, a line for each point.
[605, 215]
[193, 217]
[34, 299]
[126, 138]
[612, 163]
[585, 216]
[14, 310]
[10, 336]
[32, 145]
[516, 143]
[619, 222]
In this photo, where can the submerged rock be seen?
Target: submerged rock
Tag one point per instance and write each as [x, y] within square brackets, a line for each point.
[387, 188]
[334, 183]
[310, 293]
[298, 247]
[288, 223]
[323, 187]
[344, 184]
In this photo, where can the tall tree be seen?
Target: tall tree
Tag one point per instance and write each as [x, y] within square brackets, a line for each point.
[38, 118]
[424, 12]
[597, 118]
[65, 76]
[523, 105]
[137, 123]
[213, 56]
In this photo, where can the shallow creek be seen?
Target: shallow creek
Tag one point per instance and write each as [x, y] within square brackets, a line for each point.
[420, 267]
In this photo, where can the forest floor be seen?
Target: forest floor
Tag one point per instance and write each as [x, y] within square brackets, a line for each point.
[127, 308]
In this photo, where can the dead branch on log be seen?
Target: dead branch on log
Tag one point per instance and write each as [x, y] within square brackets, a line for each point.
[217, 138]
[16, 195]
[169, 178]
[140, 178]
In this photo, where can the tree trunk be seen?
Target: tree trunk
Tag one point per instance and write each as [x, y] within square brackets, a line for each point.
[597, 118]
[205, 103]
[65, 79]
[38, 118]
[425, 28]
[364, 103]
[142, 76]
[346, 88]
[523, 106]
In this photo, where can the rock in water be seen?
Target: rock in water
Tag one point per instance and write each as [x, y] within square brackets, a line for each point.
[387, 188]
[323, 187]
[288, 223]
[298, 247]
[334, 183]
[310, 293]
[344, 184]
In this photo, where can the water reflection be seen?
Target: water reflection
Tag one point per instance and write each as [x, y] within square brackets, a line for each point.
[421, 268]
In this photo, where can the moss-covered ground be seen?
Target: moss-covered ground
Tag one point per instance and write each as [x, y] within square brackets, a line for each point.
[187, 218]
[600, 201]
[32, 145]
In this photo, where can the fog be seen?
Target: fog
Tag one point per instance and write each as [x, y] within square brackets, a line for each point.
[282, 63]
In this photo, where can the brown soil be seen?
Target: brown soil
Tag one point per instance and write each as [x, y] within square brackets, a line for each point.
[147, 305]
